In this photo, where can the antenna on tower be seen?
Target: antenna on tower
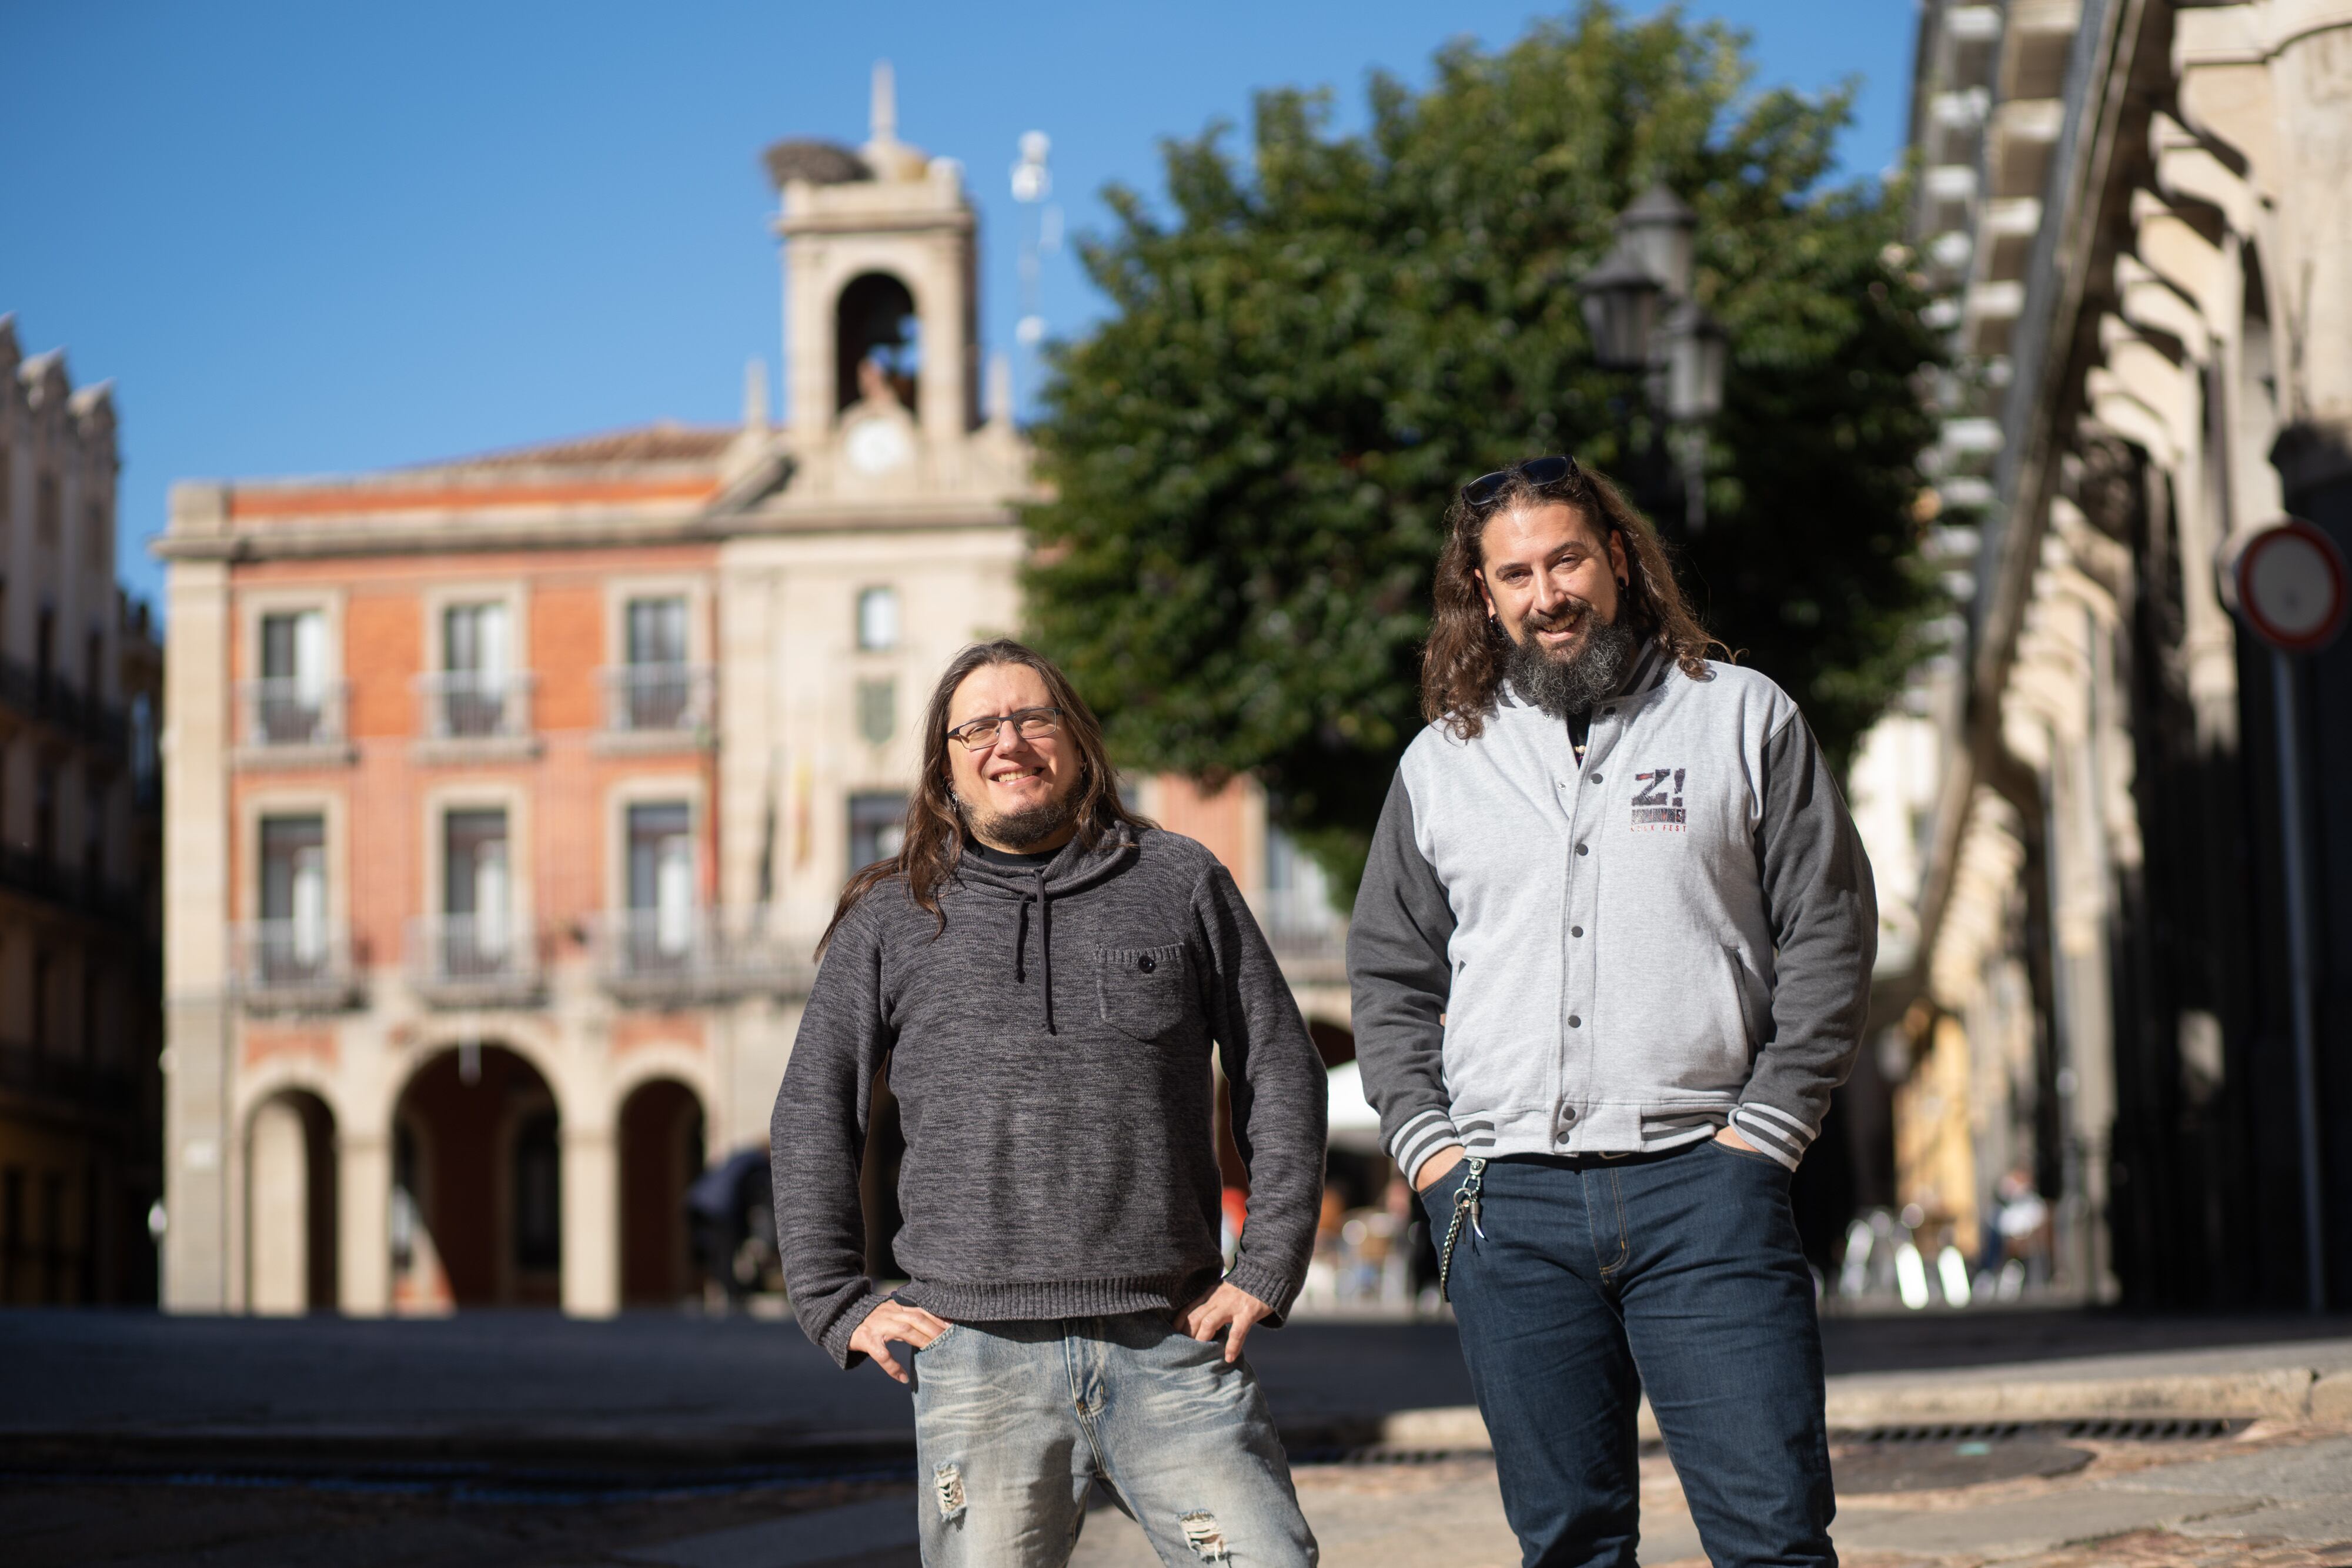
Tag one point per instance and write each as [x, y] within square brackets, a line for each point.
[755, 394]
[885, 114]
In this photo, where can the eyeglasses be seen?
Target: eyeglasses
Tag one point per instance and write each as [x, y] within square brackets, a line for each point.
[1029, 724]
[1534, 471]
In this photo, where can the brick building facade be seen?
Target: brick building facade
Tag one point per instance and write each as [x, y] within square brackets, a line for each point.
[509, 795]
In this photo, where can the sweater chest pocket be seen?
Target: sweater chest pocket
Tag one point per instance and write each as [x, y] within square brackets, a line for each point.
[1145, 992]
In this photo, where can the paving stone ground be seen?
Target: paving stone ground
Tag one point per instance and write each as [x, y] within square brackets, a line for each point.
[2275, 1497]
[2272, 1497]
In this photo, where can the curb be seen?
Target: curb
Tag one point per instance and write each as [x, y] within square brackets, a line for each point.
[1856, 1402]
[1883, 1399]
[519, 1449]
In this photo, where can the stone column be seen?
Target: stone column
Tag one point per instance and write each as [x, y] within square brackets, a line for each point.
[363, 1223]
[200, 1036]
[591, 1222]
[277, 1212]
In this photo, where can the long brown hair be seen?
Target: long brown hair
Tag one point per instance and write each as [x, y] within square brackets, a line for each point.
[927, 857]
[1461, 664]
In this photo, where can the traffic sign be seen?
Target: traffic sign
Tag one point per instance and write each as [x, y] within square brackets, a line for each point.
[2292, 587]
[2292, 591]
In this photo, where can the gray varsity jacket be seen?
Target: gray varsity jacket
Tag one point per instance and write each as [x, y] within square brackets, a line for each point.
[1550, 958]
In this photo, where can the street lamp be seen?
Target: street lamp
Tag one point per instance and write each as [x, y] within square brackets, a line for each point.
[1697, 349]
[1620, 306]
[1639, 311]
[1663, 231]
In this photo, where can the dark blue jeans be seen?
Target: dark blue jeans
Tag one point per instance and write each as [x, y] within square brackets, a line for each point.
[1681, 1271]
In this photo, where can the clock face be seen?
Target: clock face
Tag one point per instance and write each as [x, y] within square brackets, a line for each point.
[877, 445]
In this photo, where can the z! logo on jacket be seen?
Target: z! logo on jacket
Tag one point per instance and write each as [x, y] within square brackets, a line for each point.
[1658, 801]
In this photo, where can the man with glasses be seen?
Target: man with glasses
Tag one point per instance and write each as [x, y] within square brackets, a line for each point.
[1044, 973]
[1610, 956]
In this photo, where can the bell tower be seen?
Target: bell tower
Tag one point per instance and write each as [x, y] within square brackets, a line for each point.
[881, 340]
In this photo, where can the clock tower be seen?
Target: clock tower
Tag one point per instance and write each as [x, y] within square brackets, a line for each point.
[882, 367]
[870, 534]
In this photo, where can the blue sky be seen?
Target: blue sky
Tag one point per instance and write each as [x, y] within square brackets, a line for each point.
[308, 238]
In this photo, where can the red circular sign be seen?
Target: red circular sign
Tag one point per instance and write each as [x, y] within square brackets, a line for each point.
[2292, 586]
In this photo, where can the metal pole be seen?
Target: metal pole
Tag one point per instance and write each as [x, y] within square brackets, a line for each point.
[2298, 964]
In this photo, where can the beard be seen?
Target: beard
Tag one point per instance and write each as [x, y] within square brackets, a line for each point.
[1567, 684]
[1021, 829]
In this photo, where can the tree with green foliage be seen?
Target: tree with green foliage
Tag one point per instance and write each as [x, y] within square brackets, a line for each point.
[1251, 457]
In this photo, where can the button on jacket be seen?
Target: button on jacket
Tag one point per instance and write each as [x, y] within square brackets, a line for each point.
[1626, 952]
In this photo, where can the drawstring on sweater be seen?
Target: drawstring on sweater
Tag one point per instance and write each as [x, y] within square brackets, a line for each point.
[1044, 945]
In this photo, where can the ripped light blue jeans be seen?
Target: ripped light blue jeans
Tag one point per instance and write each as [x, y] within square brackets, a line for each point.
[1014, 1421]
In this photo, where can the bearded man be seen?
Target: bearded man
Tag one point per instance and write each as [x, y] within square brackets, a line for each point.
[1610, 956]
[1044, 974]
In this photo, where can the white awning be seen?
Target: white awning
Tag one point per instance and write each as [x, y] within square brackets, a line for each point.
[1355, 1125]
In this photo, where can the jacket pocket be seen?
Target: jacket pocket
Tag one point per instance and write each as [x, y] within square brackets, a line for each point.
[1143, 992]
[1755, 999]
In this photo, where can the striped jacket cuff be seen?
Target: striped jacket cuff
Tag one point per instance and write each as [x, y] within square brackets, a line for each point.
[1775, 1132]
[1419, 1138]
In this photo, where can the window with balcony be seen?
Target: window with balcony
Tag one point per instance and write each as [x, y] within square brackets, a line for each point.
[878, 620]
[93, 990]
[93, 841]
[290, 701]
[291, 946]
[877, 827]
[477, 897]
[45, 817]
[46, 508]
[479, 697]
[656, 686]
[1300, 922]
[661, 917]
[44, 973]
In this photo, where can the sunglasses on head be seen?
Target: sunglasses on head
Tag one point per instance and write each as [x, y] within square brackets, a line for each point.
[1534, 471]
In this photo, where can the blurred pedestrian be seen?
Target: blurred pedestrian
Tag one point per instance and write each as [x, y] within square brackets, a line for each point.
[1069, 1315]
[1610, 956]
[719, 1206]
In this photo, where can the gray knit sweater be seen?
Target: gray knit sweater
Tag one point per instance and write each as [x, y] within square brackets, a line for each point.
[1050, 1052]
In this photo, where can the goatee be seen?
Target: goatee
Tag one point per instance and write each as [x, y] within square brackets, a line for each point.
[1029, 825]
[1567, 686]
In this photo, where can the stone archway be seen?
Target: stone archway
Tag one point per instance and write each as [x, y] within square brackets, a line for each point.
[290, 1207]
[661, 1153]
[477, 1183]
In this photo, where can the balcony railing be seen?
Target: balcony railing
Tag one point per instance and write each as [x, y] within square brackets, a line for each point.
[474, 960]
[657, 699]
[35, 875]
[45, 696]
[295, 964]
[476, 704]
[282, 711]
[1303, 928]
[87, 1085]
[682, 954]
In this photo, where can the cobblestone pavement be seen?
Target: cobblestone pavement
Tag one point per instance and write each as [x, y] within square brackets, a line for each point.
[2274, 1496]
[2271, 1497]
[134, 1441]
